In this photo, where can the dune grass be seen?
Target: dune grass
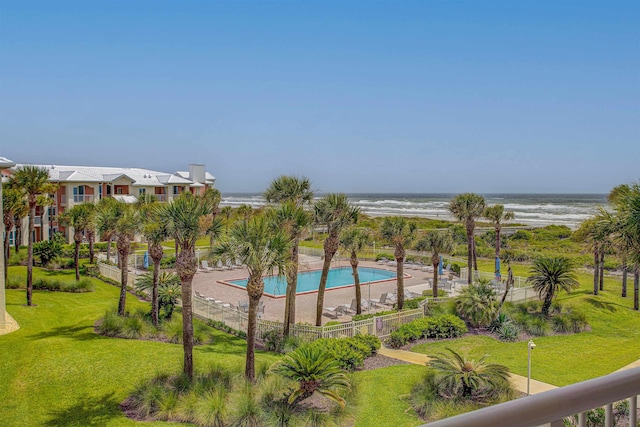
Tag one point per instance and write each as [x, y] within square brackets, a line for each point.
[612, 343]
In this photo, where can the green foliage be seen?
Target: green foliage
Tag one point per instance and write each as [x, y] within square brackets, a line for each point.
[58, 285]
[437, 327]
[384, 255]
[357, 317]
[19, 258]
[168, 262]
[224, 328]
[477, 304]
[522, 235]
[274, 340]
[349, 353]
[47, 251]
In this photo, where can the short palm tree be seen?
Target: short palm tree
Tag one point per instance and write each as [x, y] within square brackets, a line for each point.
[467, 208]
[165, 284]
[80, 218]
[334, 212]
[293, 220]
[548, 276]
[496, 214]
[15, 206]
[32, 182]
[353, 240]
[314, 370]
[477, 303]
[155, 232]
[289, 189]
[182, 219]
[107, 211]
[263, 250]
[458, 377]
[436, 242]
[400, 233]
[126, 228]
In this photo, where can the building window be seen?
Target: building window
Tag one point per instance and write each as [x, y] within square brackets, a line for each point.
[119, 190]
[12, 237]
[176, 189]
[108, 190]
[100, 191]
[142, 191]
[78, 194]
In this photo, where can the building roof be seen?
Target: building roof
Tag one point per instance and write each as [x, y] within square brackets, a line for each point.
[138, 177]
[207, 176]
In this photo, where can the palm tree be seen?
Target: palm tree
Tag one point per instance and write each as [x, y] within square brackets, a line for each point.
[477, 303]
[293, 194]
[616, 198]
[458, 377]
[226, 212]
[353, 240]
[335, 213]
[466, 208]
[107, 211]
[293, 220]
[182, 220]
[628, 232]
[165, 284]
[263, 250]
[548, 276]
[436, 242]
[155, 233]
[126, 228]
[15, 206]
[212, 198]
[33, 182]
[245, 211]
[400, 233]
[594, 233]
[315, 371]
[79, 218]
[496, 215]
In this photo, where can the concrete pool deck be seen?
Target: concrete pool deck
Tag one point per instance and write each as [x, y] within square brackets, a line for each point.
[207, 284]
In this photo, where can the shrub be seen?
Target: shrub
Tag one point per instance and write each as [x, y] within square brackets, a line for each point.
[508, 332]
[168, 262]
[47, 251]
[578, 320]
[438, 327]
[522, 235]
[371, 340]
[561, 323]
[13, 282]
[357, 317]
[429, 293]
[112, 324]
[412, 304]
[19, 258]
[386, 256]
[273, 340]
[537, 326]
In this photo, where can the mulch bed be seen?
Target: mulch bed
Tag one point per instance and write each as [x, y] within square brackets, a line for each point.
[380, 361]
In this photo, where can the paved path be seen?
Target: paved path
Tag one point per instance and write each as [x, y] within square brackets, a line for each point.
[518, 381]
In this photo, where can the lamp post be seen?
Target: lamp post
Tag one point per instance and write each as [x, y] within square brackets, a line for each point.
[531, 346]
[4, 164]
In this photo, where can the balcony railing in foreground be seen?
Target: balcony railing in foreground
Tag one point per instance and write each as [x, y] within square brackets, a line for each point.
[551, 407]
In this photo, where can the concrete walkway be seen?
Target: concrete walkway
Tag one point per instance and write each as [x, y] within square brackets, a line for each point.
[518, 381]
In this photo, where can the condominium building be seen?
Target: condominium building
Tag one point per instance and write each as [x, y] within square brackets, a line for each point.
[89, 184]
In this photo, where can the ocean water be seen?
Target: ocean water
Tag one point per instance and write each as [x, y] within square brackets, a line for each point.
[530, 209]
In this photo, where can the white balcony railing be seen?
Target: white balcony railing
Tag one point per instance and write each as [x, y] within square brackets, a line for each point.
[161, 197]
[551, 407]
[83, 198]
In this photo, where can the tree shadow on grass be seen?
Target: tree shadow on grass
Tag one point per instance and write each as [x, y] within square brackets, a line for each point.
[609, 306]
[225, 344]
[74, 332]
[95, 411]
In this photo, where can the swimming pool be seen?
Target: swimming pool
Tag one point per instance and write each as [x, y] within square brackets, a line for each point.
[309, 281]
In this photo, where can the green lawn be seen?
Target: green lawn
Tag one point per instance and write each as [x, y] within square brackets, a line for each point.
[613, 342]
[57, 372]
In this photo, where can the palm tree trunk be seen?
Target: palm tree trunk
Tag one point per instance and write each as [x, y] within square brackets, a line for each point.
[435, 260]
[400, 278]
[187, 266]
[323, 284]
[123, 255]
[76, 259]
[292, 284]
[475, 257]
[356, 280]
[469, 254]
[601, 271]
[6, 249]
[32, 214]
[624, 276]
[636, 279]
[91, 237]
[18, 239]
[596, 269]
[548, 298]
[506, 290]
[250, 370]
[155, 307]
[109, 248]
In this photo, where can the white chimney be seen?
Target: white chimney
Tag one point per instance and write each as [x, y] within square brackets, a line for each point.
[196, 173]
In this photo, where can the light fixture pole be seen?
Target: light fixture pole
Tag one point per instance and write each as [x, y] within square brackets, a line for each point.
[531, 346]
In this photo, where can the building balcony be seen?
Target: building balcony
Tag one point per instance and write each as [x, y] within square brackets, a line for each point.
[83, 198]
[161, 197]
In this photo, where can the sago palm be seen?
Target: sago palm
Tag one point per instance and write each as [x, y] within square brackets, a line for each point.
[334, 212]
[467, 208]
[32, 182]
[400, 233]
[477, 303]
[353, 240]
[182, 219]
[548, 276]
[263, 250]
[436, 242]
[314, 370]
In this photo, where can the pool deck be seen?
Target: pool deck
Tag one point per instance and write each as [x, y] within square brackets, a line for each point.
[207, 284]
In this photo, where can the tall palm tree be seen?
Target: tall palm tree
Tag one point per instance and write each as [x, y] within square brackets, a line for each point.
[548, 276]
[594, 234]
[315, 371]
[155, 233]
[293, 220]
[353, 240]
[15, 206]
[126, 228]
[263, 250]
[335, 213]
[33, 182]
[293, 194]
[212, 198]
[628, 212]
[79, 218]
[182, 219]
[497, 215]
[400, 233]
[226, 212]
[616, 198]
[436, 242]
[107, 211]
[467, 207]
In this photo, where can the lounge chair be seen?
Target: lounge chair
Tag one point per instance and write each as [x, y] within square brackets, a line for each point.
[364, 304]
[384, 299]
[221, 267]
[243, 306]
[332, 312]
[410, 295]
[205, 266]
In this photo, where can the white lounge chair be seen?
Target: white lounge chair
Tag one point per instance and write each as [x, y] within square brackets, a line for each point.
[221, 267]
[205, 266]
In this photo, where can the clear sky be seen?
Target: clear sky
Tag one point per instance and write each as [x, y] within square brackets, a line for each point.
[359, 96]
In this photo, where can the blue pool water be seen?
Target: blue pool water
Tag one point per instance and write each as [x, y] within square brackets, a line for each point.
[309, 281]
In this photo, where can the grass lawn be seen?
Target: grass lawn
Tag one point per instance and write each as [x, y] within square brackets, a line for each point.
[57, 372]
[613, 342]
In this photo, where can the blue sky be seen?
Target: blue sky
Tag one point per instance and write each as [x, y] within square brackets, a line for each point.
[360, 96]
